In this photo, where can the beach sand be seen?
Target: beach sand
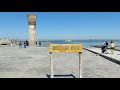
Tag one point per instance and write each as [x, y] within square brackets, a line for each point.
[35, 63]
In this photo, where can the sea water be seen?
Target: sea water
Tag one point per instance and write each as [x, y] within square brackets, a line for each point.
[86, 43]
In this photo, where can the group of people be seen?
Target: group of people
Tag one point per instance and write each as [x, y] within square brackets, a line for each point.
[25, 43]
[105, 45]
[38, 44]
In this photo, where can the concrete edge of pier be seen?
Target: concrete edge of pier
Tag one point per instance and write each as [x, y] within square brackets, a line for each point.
[104, 56]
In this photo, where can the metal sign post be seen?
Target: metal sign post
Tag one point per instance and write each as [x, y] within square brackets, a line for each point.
[51, 65]
[80, 65]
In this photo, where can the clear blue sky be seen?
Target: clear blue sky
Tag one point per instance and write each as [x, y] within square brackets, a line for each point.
[62, 25]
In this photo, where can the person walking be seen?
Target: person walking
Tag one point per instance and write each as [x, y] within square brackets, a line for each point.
[24, 44]
[112, 47]
[103, 48]
[39, 44]
[20, 44]
[106, 46]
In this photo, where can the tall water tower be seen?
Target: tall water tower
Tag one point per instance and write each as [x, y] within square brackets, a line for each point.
[32, 29]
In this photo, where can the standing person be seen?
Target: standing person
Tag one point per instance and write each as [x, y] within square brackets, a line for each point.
[112, 47]
[20, 44]
[28, 43]
[106, 45]
[24, 44]
[39, 44]
[103, 48]
[36, 44]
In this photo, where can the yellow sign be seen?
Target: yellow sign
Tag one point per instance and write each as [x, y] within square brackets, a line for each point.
[66, 47]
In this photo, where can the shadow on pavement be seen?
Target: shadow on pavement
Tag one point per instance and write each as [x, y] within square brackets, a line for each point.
[62, 76]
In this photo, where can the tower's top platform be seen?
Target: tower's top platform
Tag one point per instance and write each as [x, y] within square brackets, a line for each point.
[31, 19]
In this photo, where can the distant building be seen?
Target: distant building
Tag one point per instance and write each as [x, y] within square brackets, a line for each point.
[5, 41]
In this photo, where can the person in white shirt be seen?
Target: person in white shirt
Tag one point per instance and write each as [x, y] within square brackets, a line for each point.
[112, 47]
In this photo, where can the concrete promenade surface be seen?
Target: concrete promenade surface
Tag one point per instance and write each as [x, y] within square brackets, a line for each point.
[35, 63]
[117, 48]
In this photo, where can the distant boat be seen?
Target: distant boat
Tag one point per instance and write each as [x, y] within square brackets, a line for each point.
[68, 40]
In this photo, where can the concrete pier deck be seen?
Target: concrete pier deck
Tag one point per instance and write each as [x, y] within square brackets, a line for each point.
[35, 63]
[115, 57]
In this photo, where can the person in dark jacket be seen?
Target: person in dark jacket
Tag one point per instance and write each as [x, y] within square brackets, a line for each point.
[106, 45]
[103, 48]
[39, 44]
[20, 44]
[24, 44]
[27, 44]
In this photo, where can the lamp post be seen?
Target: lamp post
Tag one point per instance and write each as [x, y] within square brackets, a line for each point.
[90, 41]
